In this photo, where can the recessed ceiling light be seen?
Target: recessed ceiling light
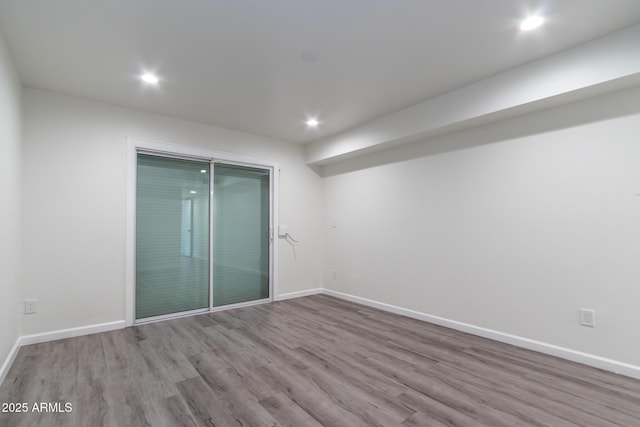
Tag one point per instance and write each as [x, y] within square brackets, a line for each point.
[149, 78]
[531, 22]
[192, 192]
[313, 123]
[203, 171]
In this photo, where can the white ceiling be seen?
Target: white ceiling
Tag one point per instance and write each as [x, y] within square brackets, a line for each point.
[238, 64]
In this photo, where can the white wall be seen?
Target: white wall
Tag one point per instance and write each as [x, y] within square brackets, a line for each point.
[10, 202]
[512, 227]
[75, 204]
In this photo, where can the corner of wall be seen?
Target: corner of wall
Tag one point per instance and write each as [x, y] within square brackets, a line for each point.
[10, 209]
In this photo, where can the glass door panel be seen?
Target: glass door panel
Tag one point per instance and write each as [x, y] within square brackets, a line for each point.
[241, 234]
[172, 236]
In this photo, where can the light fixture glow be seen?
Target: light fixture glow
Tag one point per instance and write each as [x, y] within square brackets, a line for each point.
[203, 171]
[531, 22]
[149, 78]
[313, 123]
[192, 192]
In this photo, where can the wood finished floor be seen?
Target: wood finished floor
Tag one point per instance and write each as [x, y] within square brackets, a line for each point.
[308, 362]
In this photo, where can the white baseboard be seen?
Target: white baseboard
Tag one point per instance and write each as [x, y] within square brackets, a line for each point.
[299, 294]
[55, 335]
[71, 332]
[564, 353]
[610, 365]
[4, 370]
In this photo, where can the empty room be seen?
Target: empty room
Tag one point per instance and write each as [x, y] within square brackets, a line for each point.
[319, 213]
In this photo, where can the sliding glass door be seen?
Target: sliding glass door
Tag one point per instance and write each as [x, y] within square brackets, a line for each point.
[241, 234]
[174, 237]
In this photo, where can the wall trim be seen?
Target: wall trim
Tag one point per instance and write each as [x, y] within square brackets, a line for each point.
[11, 357]
[299, 294]
[603, 363]
[71, 332]
[606, 364]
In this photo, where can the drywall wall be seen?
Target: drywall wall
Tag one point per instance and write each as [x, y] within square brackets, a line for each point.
[75, 204]
[581, 72]
[512, 227]
[10, 203]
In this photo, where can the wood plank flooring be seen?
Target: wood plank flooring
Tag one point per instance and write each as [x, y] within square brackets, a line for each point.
[313, 361]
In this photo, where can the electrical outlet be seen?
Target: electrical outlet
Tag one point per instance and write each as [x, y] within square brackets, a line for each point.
[334, 274]
[30, 306]
[587, 317]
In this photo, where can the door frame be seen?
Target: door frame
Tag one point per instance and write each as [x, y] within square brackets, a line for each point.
[135, 145]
